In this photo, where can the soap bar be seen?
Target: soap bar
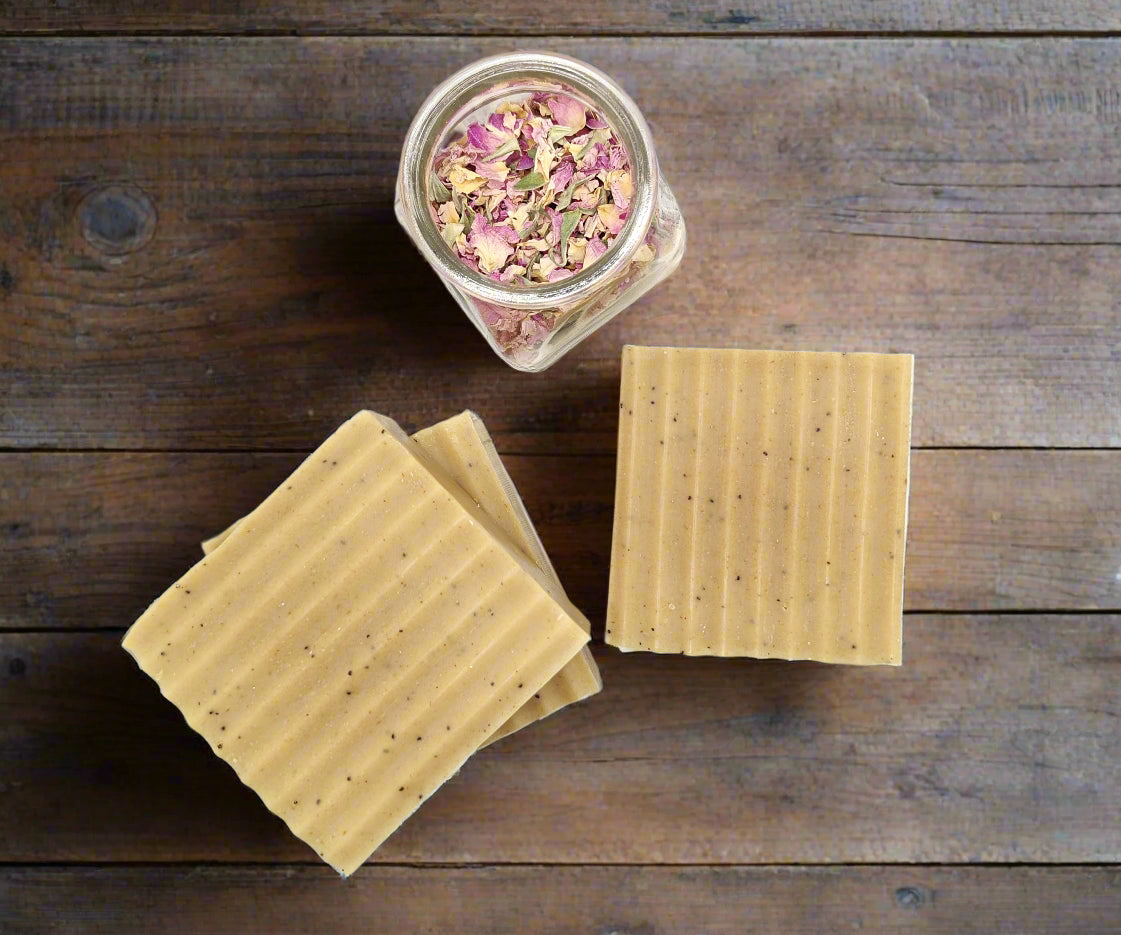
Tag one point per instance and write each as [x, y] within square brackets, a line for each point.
[356, 638]
[761, 504]
[463, 448]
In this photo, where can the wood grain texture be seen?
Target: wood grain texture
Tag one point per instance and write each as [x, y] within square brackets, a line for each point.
[584, 16]
[563, 900]
[998, 740]
[197, 248]
[88, 540]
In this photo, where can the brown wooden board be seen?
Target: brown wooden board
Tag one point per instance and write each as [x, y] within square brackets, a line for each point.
[197, 247]
[532, 19]
[997, 740]
[550, 900]
[88, 540]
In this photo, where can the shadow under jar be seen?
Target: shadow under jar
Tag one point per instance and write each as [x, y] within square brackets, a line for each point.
[531, 325]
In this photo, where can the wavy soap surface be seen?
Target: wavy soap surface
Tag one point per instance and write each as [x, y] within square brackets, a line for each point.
[462, 447]
[355, 639]
[761, 504]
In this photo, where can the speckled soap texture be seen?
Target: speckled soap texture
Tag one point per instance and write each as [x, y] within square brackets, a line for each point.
[353, 641]
[462, 446]
[761, 504]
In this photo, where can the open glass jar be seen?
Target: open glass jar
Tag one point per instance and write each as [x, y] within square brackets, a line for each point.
[531, 325]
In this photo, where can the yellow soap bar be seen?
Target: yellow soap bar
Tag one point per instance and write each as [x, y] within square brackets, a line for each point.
[356, 638]
[463, 448]
[761, 504]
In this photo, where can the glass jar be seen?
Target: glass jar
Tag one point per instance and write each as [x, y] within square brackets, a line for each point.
[532, 326]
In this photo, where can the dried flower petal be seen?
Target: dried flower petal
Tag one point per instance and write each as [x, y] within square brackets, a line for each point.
[595, 249]
[611, 217]
[622, 187]
[568, 112]
[465, 181]
[491, 248]
[494, 171]
[451, 234]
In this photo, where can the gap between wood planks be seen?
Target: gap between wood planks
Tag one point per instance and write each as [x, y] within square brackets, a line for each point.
[820, 34]
[544, 865]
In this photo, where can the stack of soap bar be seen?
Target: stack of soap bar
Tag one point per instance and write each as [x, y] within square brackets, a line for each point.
[463, 448]
[761, 504]
[356, 638]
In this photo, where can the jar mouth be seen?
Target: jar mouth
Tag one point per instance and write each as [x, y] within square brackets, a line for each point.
[509, 74]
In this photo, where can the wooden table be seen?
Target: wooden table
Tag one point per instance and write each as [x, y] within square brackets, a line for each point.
[201, 276]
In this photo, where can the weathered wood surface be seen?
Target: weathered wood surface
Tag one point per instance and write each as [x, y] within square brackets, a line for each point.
[88, 540]
[520, 19]
[997, 740]
[200, 271]
[197, 247]
[564, 900]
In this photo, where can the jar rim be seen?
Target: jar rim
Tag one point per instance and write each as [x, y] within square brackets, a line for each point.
[450, 101]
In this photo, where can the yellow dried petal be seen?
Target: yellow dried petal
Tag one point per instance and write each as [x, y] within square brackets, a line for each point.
[464, 181]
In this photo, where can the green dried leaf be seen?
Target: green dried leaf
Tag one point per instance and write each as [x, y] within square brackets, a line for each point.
[440, 193]
[596, 136]
[568, 224]
[559, 133]
[468, 218]
[510, 146]
[565, 197]
[529, 182]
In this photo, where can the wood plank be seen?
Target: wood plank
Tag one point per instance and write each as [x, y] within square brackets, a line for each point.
[564, 900]
[997, 740]
[197, 248]
[89, 540]
[581, 17]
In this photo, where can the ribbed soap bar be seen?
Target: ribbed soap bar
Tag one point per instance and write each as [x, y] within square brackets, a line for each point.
[462, 446]
[356, 638]
[761, 504]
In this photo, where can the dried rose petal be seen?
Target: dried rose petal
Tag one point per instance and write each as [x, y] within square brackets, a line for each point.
[611, 217]
[622, 187]
[491, 248]
[563, 173]
[568, 112]
[595, 249]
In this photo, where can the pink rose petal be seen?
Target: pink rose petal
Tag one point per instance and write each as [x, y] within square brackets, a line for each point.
[491, 248]
[568, 112]
[596, 249]
[563, 173]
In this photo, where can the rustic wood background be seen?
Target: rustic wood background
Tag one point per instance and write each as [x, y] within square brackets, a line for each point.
[201, 276]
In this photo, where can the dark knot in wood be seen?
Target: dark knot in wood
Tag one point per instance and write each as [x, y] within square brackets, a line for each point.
[910, 897]
[117, 219]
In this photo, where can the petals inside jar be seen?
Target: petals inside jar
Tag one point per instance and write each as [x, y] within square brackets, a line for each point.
[533, 193]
